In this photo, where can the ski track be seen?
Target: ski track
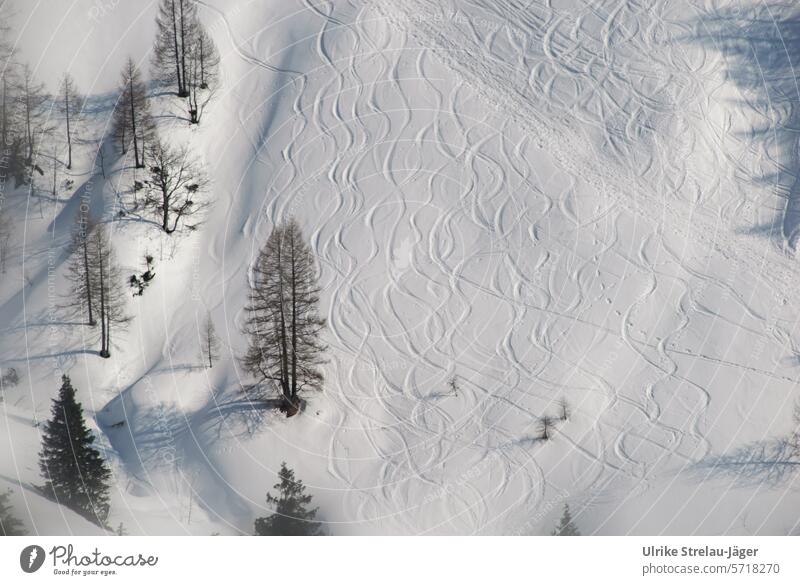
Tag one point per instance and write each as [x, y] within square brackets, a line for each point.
[446, 251]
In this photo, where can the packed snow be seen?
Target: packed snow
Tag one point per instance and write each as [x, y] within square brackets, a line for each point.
[588, 201]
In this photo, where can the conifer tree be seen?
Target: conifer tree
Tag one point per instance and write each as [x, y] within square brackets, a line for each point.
[566, 526]
[176, 29]
[546, 425]
[291, 517]
[69, 103]
[9, 525]
[210, 342]
[80, 267]
[33, 100]
[108, 294]
[564, 410]
[202, 73]
[76, 474]
[133, 123]
[283, 321]
[6, 231]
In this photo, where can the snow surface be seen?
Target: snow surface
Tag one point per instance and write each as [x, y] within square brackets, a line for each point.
[585, 200]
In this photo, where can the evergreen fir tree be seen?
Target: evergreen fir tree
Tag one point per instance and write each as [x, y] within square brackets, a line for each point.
[566, 527]
[9, 525]
[75, 471]
[291, 517]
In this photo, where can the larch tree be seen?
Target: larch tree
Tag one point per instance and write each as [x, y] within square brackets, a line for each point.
[70, 104]
[176, 187]
[133, 123]
[564, 410]
[282, 321]
[74, 470]
[7, 78]
[546, 425]
[35, 114]
[108, 293]
[209, 349]
[81, 267]
[291, 515]
[176, 26]
[202, 73]
[6, 233]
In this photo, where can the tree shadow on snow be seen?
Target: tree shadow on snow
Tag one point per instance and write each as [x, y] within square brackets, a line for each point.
[763, 463]
[760, 46]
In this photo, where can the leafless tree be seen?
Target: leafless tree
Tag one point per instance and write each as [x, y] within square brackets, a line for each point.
[203, 73]
[794, 438]
[176, 26]
[563, 409]
[7, 77]
[133, 123]
[210, 342]
[70, 106]
[109, 294]
[176, 187]
[283, 324]
[35, 113]
[80, 267]
[453, 383]
[546, 426]
[6, 232]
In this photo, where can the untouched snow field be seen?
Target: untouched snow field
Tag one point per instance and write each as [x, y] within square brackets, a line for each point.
[594, 201]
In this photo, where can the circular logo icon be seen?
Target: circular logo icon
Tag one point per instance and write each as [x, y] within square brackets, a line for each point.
[31, 558]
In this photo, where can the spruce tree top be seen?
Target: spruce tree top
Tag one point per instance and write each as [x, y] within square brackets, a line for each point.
[566, 527]
[291, 517]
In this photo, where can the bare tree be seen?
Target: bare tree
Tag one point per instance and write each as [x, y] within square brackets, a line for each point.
[109, 293]
[6, 231]
[80, 267]
[794, 438]
[546, 426]
[176, 26]
[176, 186]
[8, 80]
[283, 324]
[133, 123]
[209, 349]
[33, 100]
[203, 73]
[453, 384]
[563, 409]
[70, 106]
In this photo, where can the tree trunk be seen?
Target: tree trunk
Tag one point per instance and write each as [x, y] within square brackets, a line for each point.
[165, 213]
[293, 261]
[284, 349]
[5, 113]
[177, 54]
[183, 45]
[133, 122]
[28, 129]
[69, 135]
[86, 271]
[103, 308]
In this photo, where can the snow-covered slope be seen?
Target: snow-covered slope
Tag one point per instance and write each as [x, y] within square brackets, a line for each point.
[562, 200]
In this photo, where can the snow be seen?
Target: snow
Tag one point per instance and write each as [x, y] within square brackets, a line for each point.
[591, 202]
